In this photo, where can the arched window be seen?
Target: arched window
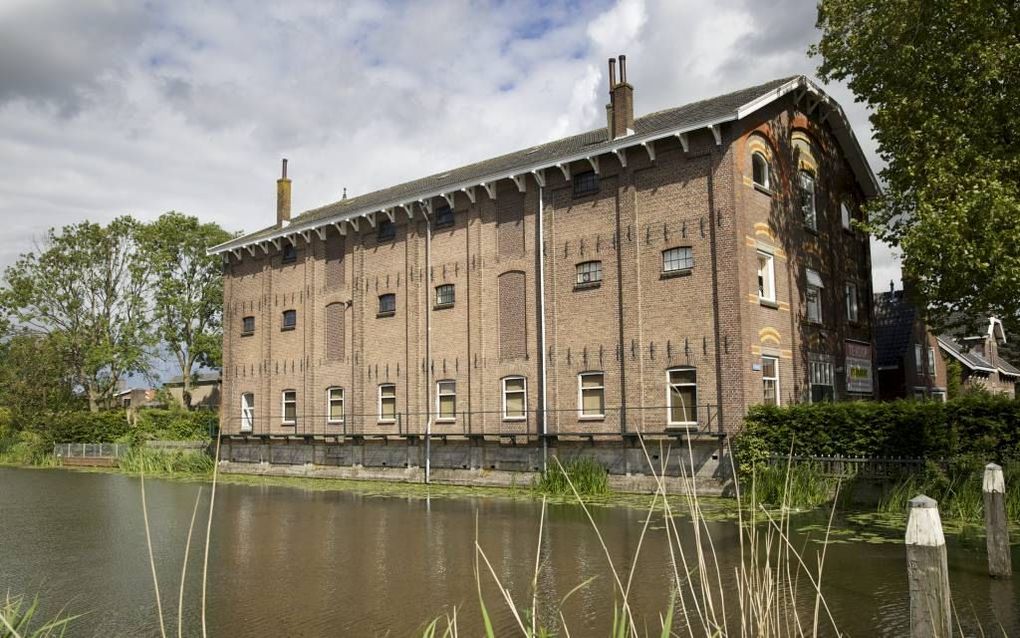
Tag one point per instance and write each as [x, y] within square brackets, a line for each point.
[807, 199]
[760, 170]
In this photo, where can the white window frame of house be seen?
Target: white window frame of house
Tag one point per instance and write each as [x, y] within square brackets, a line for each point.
[774, 378]
[598, 388]
[808, 208]
[669, 396]
[758, 156]
[588, 273]
[524, 391]
[920, 393]
[852, 301]
[446, 388]
[766, 280]
[283, 406]
[814, 288]
[939, 395]
[931, 361]
[844, 214]
[918, 359]
[672, 258]
[330, 400]
[388, 397]
[247, 411]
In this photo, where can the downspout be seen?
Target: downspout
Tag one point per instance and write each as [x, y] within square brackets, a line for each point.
[428, 347]
[543, 430]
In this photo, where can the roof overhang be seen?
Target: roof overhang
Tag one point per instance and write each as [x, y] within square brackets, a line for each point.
[800, 86]
[956, 355]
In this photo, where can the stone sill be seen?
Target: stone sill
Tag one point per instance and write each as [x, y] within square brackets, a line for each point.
[442, 306]
[591, 285]
[683, 272]
[765, 303]
[386, 313]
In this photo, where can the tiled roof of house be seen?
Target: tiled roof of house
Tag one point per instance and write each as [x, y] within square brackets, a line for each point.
[894, 327]
[967, 357]
[589, 144]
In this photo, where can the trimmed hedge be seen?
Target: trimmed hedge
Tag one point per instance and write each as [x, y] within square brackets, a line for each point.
[114, 426]
[981, 426]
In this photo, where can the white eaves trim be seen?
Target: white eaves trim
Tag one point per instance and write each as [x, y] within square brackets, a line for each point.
[957, 356]
[616, 147]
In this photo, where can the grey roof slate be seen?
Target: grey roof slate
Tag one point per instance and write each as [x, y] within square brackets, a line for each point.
[593, 141]
[202, 377]
[969, 358]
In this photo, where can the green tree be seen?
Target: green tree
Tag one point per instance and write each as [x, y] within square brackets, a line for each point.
[86, 288]
[35, 378]
[187, 290]
[942, 78]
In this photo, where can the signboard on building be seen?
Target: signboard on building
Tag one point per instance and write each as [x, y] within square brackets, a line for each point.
[858, 367]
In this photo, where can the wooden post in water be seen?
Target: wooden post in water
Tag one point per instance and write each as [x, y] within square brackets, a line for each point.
[1000, 564]
[927, 571]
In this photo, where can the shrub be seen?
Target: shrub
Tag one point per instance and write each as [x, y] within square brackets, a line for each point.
[175, 425]
[83, 427]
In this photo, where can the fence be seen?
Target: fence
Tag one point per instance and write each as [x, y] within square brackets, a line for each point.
[845, 466]
[90, 450]
[609, 422]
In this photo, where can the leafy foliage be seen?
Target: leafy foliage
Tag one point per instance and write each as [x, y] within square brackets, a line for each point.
[941, 80]
[34, 377]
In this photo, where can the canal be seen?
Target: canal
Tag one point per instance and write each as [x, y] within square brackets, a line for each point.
[291, 562]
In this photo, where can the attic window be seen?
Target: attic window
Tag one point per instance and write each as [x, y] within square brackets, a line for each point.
[586, 183]
[444, 217]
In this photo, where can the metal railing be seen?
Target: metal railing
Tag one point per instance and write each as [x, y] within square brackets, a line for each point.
[702, 419]
[90, 450]
[859, 466]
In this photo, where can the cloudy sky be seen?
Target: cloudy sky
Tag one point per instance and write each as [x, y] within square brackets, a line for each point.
[111, 107]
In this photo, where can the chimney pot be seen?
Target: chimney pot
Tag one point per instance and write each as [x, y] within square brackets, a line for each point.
[623, 69]
[620, 110]
[284, 175]
[612, 73]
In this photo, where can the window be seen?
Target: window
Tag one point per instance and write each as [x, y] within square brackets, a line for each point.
[807, 200]
[844, 215]
[446, 400]
[385, 231]
[770, 380]
[515, 398]
[387, 403]
[289, 253]
[682, 396]
[591, 394]
[589, 272]
[335, 405]
[920, 394]
[760, 170]
[814, 296]
[247, 412]
[931, 361]
[586, 183]
[387, 304]
[821, 381]
[444, 217]
[444, 295]
[766, 277]
[918, 358]
[850, 293]
[289, 320]
[248, 326]
[675, 260]
[939, 395]
[289, 400]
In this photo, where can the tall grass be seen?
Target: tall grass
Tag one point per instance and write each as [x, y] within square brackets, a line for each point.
[956, 487]
[18, 619]
[166, 462]
[793, 485]
[585, 474]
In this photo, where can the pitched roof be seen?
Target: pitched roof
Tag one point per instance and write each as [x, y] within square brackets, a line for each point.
[967, 357]
[666, 123]
[202, 377]
[894, 327]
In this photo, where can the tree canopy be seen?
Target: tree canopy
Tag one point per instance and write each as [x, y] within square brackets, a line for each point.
[943, 81]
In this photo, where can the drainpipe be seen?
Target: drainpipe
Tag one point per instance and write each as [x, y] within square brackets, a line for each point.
[428, 347]
[543, 430]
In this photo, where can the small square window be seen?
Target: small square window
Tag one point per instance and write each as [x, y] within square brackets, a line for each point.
[289, 320]
[289, 253]
[387, 304]
[385, 231]
[248, 326]
[676, 260]
[444, 217]
[589, 273]
[586, 183]
[444, 295]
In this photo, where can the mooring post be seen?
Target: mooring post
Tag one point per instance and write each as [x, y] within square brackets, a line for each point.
[1000, 564]
[927, 571]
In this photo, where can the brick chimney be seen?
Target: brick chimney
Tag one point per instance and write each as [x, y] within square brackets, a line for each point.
[620, 110]
[283, 198]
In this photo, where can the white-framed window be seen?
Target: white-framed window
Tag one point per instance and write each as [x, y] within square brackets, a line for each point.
[334, 405]
[918, 358]
[589, 272]
[387, 403]
[766, 276]
[247, 412]
[931, 361]
[807, 200]
[920, 394]
[821, 378]
[515, 398]
[288, 400]
[591, 395]
[446, 400]
[760, 170]
[939, 395]
[851, 299]
[682, 396]
[844, 215]
[813, 296]
[770, 380]
[677, 259]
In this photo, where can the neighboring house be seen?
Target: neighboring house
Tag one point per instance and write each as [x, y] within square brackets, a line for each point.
[136, 398]
[906, 351]
[979, 355]
[205, 390]
[695, 262]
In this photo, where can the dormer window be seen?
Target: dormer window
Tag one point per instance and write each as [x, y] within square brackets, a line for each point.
[760, 170]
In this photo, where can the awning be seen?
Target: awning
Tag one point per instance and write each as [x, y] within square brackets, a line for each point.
[814, 279]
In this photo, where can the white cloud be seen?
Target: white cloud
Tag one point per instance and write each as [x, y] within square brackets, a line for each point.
[131, 108]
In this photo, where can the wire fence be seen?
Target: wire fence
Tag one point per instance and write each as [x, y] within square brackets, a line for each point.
[853, 466]
[90, 450]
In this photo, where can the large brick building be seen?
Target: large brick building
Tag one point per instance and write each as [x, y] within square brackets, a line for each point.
[694, 262]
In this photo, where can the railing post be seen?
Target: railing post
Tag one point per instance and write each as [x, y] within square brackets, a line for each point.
[996, 531]
[927, 571]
